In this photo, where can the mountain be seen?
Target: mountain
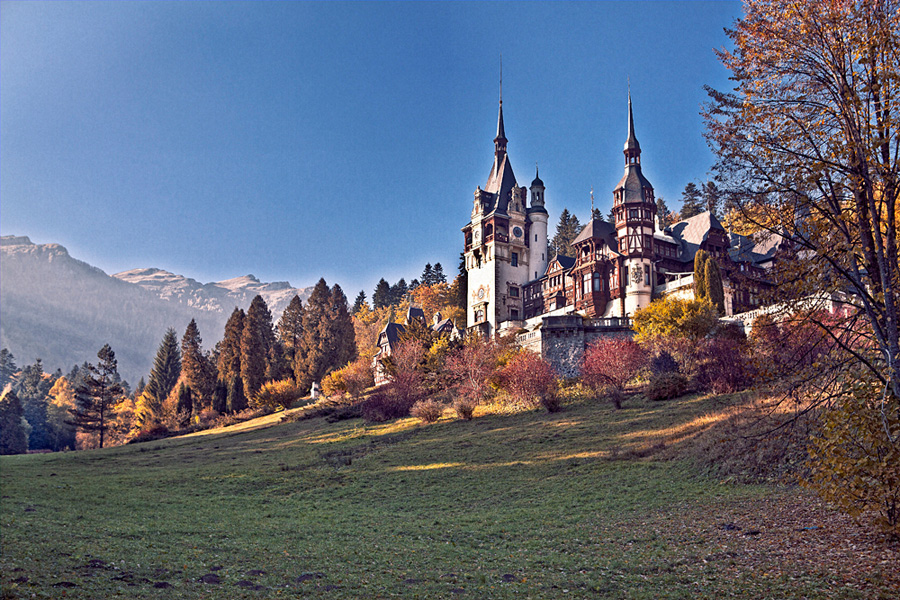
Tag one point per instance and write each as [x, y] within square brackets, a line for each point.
[62, 310]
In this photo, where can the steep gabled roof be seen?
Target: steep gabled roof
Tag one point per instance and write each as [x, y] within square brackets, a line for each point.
[599, 229]
[691, 233]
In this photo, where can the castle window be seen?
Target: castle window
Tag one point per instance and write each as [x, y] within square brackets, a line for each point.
[514, 291]
[514, 314]
[646, 275]
[515, 259]
[598, 283]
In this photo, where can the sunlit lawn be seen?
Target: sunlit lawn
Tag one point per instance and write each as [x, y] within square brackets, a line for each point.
[572, 505]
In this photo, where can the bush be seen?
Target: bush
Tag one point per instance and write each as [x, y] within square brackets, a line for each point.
[666, 386]
[429, 411]
[156, 432]
[465, 407]
[551, 401]
[527, 378]
[390, 402]
[663, 362]
[276, 394]
[722, 366]
[610, 363]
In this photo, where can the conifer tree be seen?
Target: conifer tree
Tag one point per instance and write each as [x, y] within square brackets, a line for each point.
[340, 329]
[98, 394]
[185, 399]
[567, 230]
[196, 367]
[691, 201]
[12, 433]
[361, 300]
[714, 289]
[290, 329]
[257, 341]
[329, 340]
[381, 297]
[220, 397]
[33, 390]
[166, 371]
[229, 361]
[701, 290]
[7, 367]
[398, 292]
[428, 275]
[663, 212]
[236, 401]
[712, 197]
[461, 284]
[439, 276]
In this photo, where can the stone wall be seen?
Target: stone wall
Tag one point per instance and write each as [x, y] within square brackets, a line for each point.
[562, 340]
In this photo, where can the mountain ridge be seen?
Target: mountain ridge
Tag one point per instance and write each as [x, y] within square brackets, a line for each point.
[62, 309]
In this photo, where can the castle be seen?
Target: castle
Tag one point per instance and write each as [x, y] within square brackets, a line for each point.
[514, 285]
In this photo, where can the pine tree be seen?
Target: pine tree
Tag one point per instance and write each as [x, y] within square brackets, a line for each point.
[567, 230]
[196, 367]
[229, 362]
[185, 400]
[340, 329]
[7, 367]
[691, 201]
[12, 433]
[98, 394]
[361, 300]
[381, 297]
[439, 276]
[257, 341]
[461, 283]
[165, 373]
[220, 397]
[701, 290]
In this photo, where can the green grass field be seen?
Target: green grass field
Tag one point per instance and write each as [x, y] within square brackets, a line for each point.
[586, 503]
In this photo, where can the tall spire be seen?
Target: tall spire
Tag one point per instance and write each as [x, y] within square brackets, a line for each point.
[632, 147]
[500, 140]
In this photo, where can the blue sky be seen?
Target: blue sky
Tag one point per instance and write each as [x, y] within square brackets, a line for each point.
[345, 140]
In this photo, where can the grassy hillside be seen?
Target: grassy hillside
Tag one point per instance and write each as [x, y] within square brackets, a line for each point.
[587, 503]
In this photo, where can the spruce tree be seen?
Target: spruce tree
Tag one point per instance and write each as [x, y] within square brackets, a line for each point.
[196, 367]
[398, 292]
[33, 390]
[361, 300]
[165, 373]
[340, 329]
[229, 361]
[12, 432]
[691, 201]
[439, 276]
[712, 197]
[381, 297]
[663, 212]
[428, 275]
[313, 345]
[567, 230]
[257, 341]
[98, 394]
[185, 400]
[462, 284]
[220, 397]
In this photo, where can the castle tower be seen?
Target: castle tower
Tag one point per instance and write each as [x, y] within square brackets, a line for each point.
[635, 212]
[537, 232]
[497, 248]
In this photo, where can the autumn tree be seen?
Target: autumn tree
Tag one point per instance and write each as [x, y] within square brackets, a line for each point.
[807, 145]
[528, 379]
[97, 395]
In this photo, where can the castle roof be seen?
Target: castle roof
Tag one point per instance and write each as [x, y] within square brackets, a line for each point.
[692, 232]
[598, 229]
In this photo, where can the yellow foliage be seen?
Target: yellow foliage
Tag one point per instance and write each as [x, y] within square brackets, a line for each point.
[675, 317]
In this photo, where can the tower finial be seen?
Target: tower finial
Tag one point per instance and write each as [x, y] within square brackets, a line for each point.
[501, 79]
[632, 147]
[592, 202]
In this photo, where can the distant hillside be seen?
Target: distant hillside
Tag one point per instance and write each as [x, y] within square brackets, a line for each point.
[63, 310]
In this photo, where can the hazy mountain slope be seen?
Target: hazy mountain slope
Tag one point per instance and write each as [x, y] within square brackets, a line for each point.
[63, 310]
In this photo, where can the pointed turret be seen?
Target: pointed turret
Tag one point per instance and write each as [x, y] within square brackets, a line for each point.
[632, 147]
